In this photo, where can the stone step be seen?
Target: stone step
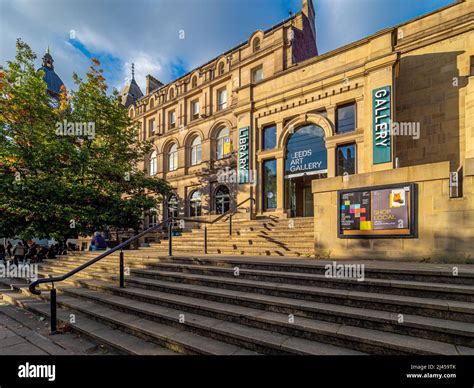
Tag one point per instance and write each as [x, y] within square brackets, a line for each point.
[452, 310]
[397, 271]
[458, 310]
[429, 307]
[220, 337]
[434, 308]
[457, 292]
[236, 233]
[119, 341]
[249, 251]
[253, 237]
[239, 244]
[458, 333]
[266, 325]
[173, 339]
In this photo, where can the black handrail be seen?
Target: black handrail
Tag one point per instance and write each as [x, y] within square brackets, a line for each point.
[56, 279]
[169, 221]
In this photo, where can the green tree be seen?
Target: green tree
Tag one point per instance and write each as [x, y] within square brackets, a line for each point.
[68, 169]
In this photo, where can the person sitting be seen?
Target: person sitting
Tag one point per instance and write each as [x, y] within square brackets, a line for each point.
[3, 253]
[18, 253]
[98, 243]
[32, 252]
[9, 249]
[42, 254]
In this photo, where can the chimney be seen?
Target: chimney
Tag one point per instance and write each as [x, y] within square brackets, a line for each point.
[307, 9]
[152, 84]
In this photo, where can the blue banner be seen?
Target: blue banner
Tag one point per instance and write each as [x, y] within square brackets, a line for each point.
[381, 121]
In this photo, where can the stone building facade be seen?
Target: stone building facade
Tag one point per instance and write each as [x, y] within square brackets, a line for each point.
[273, 120]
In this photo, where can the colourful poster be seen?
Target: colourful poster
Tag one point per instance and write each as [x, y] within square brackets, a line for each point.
[390, 209]
[355, 211]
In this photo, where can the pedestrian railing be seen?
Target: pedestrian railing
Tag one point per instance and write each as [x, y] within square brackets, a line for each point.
[169, 222]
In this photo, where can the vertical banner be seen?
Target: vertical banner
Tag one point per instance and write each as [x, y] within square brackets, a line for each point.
[244, 150]
[381, 121]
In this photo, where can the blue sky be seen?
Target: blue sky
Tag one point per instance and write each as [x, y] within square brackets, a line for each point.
[147, 32]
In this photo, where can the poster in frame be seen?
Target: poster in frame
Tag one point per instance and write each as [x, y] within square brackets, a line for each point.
[388, 211]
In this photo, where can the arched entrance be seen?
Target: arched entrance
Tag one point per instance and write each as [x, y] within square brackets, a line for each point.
[195, 204]
[306, 159]
[172, 206]
[222, 199]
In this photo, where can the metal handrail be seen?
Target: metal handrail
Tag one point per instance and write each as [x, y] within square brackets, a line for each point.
[56, 279]
[169, 221]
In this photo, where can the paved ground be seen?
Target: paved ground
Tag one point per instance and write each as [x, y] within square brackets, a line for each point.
[22, 332]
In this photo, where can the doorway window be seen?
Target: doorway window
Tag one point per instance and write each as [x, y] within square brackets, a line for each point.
[172, 206]
[195, 208]
[269, 184]
[222, 200]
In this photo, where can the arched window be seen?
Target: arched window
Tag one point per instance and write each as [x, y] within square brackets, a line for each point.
[195, 207]
[173, 158]
[171, 94]
[256, 45]
[222, 200]
[220, 70]
[172, 206]
[153, 164]
[152, 217]
[194, 82]
[196, 152]
[223, 143]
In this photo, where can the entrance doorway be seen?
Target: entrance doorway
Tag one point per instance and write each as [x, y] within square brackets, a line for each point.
[299, 197]
[222, 200]
[306, 159]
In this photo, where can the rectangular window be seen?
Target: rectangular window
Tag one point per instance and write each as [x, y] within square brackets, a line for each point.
[257, 74]
[195, 110]
[172, 119]
[346, 118]
[222, 99]
[269, 137]
[151, 127]
[269, 184]
[346, 159]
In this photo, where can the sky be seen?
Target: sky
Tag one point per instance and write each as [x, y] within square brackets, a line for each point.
[149, 32]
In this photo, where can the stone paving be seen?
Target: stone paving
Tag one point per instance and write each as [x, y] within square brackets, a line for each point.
[22, 332]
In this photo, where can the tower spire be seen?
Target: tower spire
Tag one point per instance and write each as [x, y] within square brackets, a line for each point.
[133, 71]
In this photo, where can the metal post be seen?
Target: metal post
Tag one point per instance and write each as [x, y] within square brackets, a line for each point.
[52, 302]
[121, 270]
[170, 238]
[205, 238]
[230, 225]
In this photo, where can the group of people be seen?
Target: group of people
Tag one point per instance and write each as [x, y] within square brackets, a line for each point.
[29, 251]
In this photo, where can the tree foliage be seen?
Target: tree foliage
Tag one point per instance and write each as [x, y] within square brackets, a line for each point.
[58, 179]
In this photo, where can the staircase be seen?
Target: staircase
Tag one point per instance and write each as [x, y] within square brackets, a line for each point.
[261, 237]
[228, 305]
